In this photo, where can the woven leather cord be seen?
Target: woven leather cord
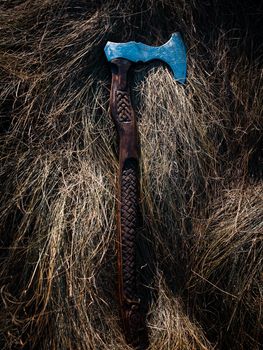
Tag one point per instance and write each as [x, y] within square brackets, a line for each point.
[134, 321]
[129, 218]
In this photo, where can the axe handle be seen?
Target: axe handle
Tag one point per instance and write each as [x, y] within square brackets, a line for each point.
[132, 317]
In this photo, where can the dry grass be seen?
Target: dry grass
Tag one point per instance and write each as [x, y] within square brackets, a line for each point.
[201, 171]
[227, 267]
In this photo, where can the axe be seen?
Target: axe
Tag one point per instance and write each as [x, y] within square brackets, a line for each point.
[122, 56]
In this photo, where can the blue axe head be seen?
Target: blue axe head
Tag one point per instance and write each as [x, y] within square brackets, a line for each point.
[173, 53]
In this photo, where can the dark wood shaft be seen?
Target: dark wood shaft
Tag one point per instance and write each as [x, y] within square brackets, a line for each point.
[133, 319]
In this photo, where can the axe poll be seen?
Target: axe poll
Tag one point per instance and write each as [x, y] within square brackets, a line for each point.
[122, 56]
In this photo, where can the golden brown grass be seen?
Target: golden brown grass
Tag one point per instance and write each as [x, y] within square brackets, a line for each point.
[201, 185]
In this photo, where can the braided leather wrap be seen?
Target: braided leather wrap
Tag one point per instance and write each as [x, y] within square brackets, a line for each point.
[134, 322]
[129, 217]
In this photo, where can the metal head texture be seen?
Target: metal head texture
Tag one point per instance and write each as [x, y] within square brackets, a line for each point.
[172, 53]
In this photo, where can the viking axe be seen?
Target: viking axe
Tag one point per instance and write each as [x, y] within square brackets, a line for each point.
[122, 56]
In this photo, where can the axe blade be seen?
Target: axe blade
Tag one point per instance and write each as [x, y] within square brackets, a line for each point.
[173, 53]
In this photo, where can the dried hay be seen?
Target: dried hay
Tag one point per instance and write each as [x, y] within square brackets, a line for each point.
[201, 175]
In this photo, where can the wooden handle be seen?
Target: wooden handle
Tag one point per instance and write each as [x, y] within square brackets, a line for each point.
[133, 319]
